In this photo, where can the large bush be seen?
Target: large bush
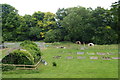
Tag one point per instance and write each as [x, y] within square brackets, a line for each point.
[29, 54]
[32, 48]
[18, 57]
[34, 51]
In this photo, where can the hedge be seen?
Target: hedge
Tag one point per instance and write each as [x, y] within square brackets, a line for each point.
[8, 67]
[32, 48]
[18, 57]
[29, 54]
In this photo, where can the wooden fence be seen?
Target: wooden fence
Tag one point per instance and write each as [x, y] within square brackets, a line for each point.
[24, 66]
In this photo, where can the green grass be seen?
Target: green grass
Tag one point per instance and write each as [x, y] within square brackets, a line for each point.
[72, 68]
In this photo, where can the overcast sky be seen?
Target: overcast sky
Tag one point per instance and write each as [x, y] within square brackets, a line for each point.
[30, 6]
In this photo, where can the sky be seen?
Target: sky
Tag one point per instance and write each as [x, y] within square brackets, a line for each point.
[31, 6]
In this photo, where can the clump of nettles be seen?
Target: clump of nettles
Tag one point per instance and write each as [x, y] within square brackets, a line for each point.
[54, 64]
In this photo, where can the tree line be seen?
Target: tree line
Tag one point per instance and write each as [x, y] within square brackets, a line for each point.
[99, 26]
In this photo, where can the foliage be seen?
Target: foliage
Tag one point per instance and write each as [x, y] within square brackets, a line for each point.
[54, 35]
[26, 42]
[27, 27]
[77, 25]
[68, 24]
[115, 13]
[34, 33]
[45, 22]
[18, 57]
[10, 21]
[26, 22]
[8, 67]
[32, 48]
[90, 24]
[34, 51]
[105, 36]
[28, 54]
[101, 22]
[54, 64]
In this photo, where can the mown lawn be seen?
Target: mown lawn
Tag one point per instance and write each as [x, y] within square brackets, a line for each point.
[72, 68]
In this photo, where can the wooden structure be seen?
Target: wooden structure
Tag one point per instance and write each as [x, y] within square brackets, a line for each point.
[20, 66]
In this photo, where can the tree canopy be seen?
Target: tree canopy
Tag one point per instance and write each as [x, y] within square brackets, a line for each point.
[99, 26]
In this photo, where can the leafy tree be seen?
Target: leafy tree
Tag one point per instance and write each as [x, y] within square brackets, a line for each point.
[45, 23]
[34, 33]
[10, 21]
[101, 22]
[105, 35]
[99, 26]
[115, 12]
[1, 39]
[55, 35]
[38, 16]
[77, 24]
[24, 30]
[60, 15]
[49, 21]
[100, 17]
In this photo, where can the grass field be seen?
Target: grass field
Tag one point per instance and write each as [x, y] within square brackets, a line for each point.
[72, 67]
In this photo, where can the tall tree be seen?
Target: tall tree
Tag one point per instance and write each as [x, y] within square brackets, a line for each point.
[10, 21]
[101, 22]
[60, 15]
[77, 24]
[1, 24]
[24, 28]
[115, 12]
[45, 22]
